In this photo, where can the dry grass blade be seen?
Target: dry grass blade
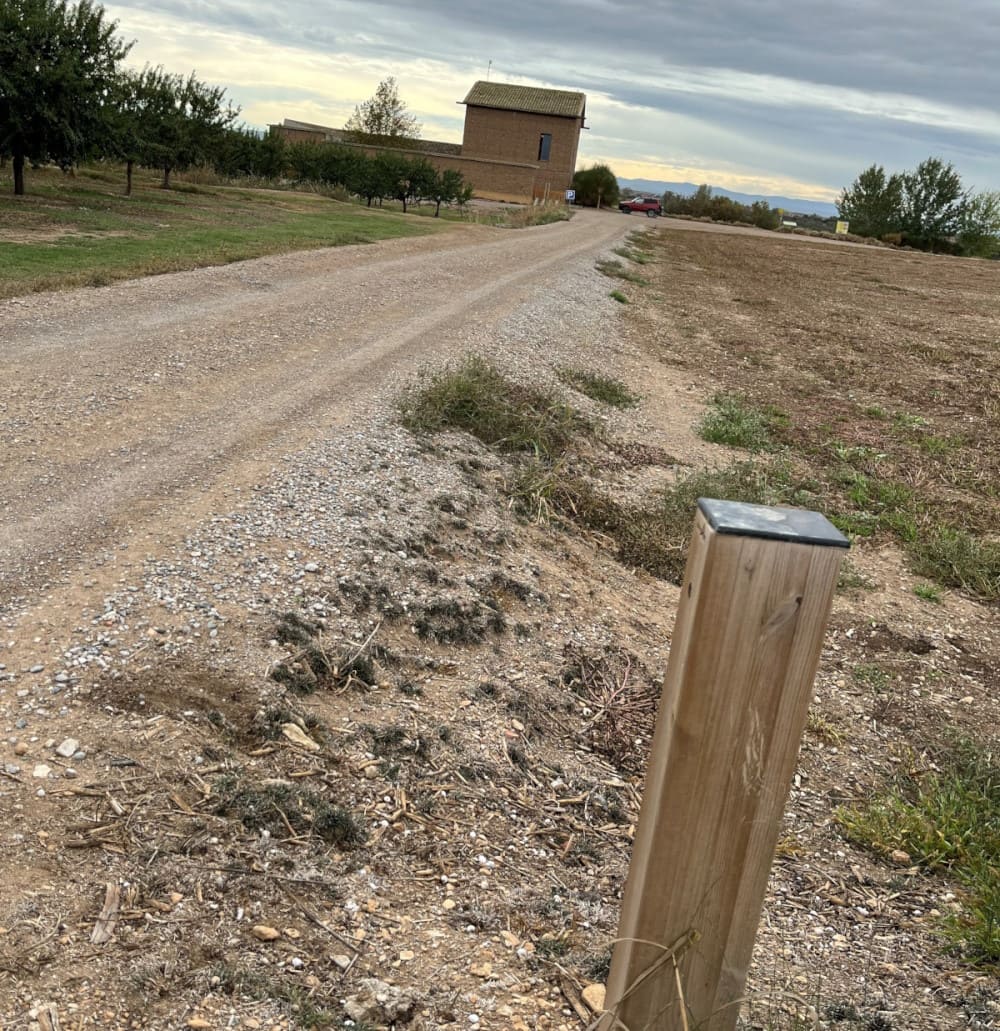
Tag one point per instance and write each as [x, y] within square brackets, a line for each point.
[668, 954]
[104, 927]
[616, 690]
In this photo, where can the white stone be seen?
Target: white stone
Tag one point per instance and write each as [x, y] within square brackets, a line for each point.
[68, 748]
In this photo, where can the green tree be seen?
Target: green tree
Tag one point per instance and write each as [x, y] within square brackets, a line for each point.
[383, 115]
[725, 209]
[409, 179]
[58, 65]
[326, 163]
[700, 202]
[132, 122]
[979, 226]
[244, 152]
[185, 122]
[933, 200]
[596, 187]
[449, 187]
[763, 215]
[373, 178]
[336, 165]
[873, 202]
[305, 161]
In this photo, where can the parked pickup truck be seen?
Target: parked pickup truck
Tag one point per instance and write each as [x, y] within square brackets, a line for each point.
[648, 204]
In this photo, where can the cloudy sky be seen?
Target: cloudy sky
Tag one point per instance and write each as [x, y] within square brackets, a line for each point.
[792, 98]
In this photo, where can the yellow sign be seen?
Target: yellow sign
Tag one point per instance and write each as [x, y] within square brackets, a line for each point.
[842, 227]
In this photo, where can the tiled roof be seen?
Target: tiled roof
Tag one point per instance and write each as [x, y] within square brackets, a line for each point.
[528, 99]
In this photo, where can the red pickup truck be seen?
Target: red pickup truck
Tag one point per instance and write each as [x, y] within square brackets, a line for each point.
[648, 204]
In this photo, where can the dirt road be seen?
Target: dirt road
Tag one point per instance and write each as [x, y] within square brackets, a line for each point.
[129, 409]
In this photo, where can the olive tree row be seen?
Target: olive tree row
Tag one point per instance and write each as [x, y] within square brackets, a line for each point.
[59, 72]
[65, 96]
[375, 178]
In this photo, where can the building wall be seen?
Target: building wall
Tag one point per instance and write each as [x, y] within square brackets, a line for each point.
[299, 135]
[515, 135]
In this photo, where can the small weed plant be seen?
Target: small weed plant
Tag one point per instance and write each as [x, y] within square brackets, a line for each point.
[606, 389]
[956, 558]
[618, 296]
[522, 217]
[314, 665]
[928, 592]
[946, 816]
[852, 579]
[734, 420]
[301, 1005]
[872, 676]
[616, 270]
[287, 810]
[635, 254]
[653, 535]
[872, 503]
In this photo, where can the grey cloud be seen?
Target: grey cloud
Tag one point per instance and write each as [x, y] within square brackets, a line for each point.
[940, 54]
[937, 52]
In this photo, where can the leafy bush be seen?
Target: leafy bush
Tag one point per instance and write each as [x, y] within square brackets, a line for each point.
[596, 185]
[475, 397]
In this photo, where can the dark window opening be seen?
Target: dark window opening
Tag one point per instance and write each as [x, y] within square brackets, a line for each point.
[544, 146]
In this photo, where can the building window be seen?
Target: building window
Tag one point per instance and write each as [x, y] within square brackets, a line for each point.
[544, 146]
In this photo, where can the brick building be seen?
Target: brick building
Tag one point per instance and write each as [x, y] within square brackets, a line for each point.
[539, 128]
[520, 142]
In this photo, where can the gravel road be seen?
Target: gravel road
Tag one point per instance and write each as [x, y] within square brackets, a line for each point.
[130, 410]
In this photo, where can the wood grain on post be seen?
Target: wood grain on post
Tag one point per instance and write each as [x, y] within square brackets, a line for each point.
[754, 606]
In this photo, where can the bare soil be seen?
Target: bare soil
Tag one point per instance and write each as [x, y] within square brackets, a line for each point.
[423, 777]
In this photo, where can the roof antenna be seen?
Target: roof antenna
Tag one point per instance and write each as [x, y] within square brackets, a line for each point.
[488, 68]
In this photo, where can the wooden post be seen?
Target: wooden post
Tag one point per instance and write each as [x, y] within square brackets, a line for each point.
[754, 605]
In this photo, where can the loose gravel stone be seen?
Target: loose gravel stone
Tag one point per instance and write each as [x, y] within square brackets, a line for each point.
[68, 748]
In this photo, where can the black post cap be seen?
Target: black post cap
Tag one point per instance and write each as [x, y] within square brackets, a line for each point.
[795, 525]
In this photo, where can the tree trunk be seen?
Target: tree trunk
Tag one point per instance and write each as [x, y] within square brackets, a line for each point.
[166, 177]
[18, 173]
[128, 177]
[404, 205]
[437, 210]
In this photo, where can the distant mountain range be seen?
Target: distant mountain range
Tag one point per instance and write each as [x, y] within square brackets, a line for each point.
[790, 204]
